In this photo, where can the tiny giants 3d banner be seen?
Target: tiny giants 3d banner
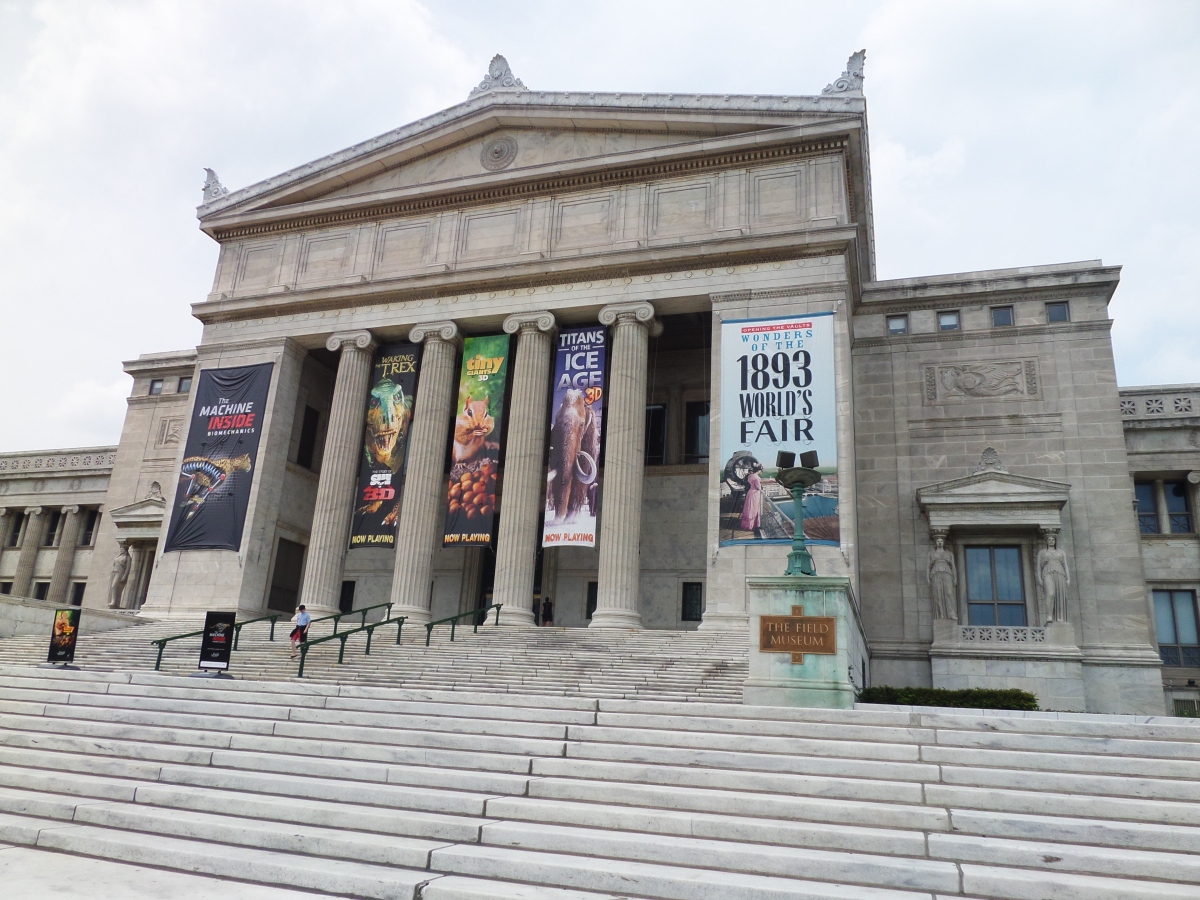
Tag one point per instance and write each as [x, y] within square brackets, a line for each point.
[576, 417]
[219, 459]
[388, 421]
[475, 454]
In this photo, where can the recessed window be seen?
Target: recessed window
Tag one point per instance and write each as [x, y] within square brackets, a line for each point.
[1002, 316]
[897, 324]
[1179, 513]
[995, 587]
[593, 594]
[50, 535]
[693, 601]
[185, 384]
[695, 444]
[14, 533]
[89, 528]
[346, 598]
[1058, 312]
[40, 590]
[155, 386]
[5, 587]
[308, 437]
[1175, 621]
[948, 320]
[1147, 509]
[77, 589]
[656, 435]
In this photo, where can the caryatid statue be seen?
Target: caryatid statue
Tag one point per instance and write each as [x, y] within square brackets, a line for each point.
[120, 574]
[943, 581]
[1054, 579]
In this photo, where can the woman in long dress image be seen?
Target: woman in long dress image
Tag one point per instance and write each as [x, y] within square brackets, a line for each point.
[752, 509]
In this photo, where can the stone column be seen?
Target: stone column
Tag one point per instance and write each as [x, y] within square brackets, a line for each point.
[524, 484]
[35, 525]
[624, 453]
[320, 588]
[61, 577]
[423, 512]
[7, 517]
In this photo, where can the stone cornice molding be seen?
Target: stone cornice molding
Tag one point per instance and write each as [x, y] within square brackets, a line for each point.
[69, 510]
[363, 340]
[534, 321]
[435, 331]
[1008, 332]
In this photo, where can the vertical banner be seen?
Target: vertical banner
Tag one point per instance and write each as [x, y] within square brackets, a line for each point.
[63, 635]
[216, 644]
[219, 459]
[576, 416]
[385, 444]
[777, 393]
[475, 452]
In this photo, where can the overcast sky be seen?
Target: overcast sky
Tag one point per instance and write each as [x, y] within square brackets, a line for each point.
[1002, 134]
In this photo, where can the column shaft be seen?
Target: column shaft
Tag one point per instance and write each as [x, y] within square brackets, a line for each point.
[65, 559]
[422, 514]
[524, 485]
[320, 590]
[35, 527]
[624, 468]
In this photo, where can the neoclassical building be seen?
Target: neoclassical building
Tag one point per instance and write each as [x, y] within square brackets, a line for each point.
[1006, 516]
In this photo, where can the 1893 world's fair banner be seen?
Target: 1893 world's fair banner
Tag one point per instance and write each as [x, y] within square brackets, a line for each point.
[777, 393]
[219, 461]
[385, 445]
[475, 453]
[577, 414]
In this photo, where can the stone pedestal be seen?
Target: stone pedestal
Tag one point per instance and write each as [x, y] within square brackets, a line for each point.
[826, 681]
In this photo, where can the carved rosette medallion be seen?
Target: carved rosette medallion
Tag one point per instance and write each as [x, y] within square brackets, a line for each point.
[498, 153]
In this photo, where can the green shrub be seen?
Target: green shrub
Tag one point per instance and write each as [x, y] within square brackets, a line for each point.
[974, 698]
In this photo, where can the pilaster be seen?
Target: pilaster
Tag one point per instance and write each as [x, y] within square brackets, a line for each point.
[35, 527]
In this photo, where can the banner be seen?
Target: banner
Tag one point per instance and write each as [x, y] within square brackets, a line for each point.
[216, 644]
[385, 445]
[219, 459]
[576, 415]
[63, 635]
[475, 453]
[777, 393]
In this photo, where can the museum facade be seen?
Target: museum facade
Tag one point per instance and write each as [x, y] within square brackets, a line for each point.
[548, 345]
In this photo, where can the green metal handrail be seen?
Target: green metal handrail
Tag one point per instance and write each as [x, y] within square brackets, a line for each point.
[453, 620]
[237, 628]
[369, 629]
[337, 616]
[162, 644]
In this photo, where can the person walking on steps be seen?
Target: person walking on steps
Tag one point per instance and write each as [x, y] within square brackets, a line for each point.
[547, 613]
[300, 632]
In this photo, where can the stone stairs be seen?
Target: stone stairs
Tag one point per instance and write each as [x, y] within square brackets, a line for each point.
[582, 662]
[425, 794]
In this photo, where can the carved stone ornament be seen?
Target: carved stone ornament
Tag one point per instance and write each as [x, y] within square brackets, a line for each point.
[851, 81]
[360, 339]
[155, 492]
[943, 580]
[498, 153]
[499, 77]
[1054, 578]
[990, 462]
[542, 321]
[213, 189]
[440, 331]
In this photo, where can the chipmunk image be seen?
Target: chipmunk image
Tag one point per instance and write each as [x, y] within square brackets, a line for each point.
[471, 429]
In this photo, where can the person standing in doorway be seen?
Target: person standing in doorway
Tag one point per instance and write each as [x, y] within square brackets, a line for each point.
[300, 632]
[547, 612]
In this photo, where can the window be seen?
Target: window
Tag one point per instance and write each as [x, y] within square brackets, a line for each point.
[50, 535]
[14, 535]
[1147, 511]
[695, 443]
[948, 321]
[5, 587]
[155, 386]
[897, 324]
[656, 435]
[308, 438]
[40, 590]
[346, 598]
[995, 588]
[185, 384]
[89, 528]
[593, 592]
[1002, 316]
[77, 589]
[1058, 312]
[1179, 514]
[1175, 620]
[693, 601]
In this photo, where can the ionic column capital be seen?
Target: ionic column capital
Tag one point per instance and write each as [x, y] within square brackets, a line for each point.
[446, 332]
[33, 510]
[69, 510]
[532, 321]
[363, 340]
[631, 314]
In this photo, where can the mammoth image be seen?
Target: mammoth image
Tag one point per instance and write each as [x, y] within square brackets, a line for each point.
[574, 459]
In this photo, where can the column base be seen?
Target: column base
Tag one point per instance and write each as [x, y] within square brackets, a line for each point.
[616, 618]
[515, 615]
[413, 615]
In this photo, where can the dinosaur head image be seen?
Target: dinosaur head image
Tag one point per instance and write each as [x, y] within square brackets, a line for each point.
[388, 416]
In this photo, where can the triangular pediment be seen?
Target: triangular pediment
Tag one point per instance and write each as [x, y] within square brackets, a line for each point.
[994, 485]
[150, 509]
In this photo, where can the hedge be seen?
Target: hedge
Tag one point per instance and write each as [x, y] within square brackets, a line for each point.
[974, 698]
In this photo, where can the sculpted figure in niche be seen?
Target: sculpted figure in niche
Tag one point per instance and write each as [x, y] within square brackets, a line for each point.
[120, 574]
[1054, 579]
[943, 581]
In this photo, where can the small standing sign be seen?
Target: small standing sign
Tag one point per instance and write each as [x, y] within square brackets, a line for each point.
[217, 642]
[63, 636]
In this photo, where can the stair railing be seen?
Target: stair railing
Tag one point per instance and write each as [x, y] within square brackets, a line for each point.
[337, 616]
[162, 644]
[343, 635]
[238, 626]
[479, 614]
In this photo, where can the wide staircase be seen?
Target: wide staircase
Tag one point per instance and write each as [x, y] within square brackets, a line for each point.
[423, 794]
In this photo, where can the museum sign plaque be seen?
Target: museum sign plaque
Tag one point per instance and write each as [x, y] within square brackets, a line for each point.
[798, 634]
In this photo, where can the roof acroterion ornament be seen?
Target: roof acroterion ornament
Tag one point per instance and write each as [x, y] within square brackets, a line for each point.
[213, 189]
[851, 81]
[499, 77]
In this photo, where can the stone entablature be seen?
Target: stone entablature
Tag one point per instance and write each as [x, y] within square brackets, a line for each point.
[89, 460]
[1168, 401]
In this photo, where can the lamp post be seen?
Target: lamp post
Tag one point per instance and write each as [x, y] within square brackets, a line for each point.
[797, 479]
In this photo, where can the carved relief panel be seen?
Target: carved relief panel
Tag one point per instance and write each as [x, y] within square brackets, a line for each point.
[1002, 379]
